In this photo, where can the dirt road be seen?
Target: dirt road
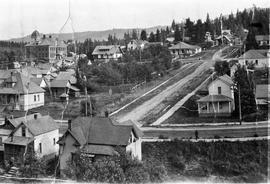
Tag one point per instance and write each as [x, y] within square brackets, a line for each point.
[142, 110]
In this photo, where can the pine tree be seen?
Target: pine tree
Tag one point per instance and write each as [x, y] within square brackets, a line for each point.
[177, 34]
[143, 35]
[152, 37]
[173, 25]
[158, 36]
[134, 34]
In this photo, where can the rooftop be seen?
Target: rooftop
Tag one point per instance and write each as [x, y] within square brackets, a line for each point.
[262, 91]
[183, 45]
[255, 54]
[102, 131]
[107, 49]
[215, 98]
[38, 126]
[23, 85]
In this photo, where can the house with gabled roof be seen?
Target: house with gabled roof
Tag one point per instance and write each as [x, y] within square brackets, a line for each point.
[105, 53]
[220, 99]
[35, 132]
[20, 93]
[98, 137]
[64, 84]
[257, 58]
[262, 40]
[136, 44]
[184, 49]
[262, 95]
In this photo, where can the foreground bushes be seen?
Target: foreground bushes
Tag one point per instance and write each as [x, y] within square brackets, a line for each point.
[114, 169]
[232, 160]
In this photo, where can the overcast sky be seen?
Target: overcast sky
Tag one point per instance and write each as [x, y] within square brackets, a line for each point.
[21, 17]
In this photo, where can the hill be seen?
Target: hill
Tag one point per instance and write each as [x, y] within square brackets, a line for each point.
[94, 35]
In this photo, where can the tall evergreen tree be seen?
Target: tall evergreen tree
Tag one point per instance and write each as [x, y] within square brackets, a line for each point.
[158, 36]
[177, 34]
[251, 42]
[152, 37]
[143, 35]
[173, 25]
[134, 34]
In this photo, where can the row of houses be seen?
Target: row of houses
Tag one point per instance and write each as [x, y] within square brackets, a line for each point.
[28, 87]
[219, 100]
[95, 137]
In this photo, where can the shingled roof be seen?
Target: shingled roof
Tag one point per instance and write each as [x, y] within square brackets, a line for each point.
[107, 49]
[23, 85]
[101, 131]
[40, 125]
[255, 54]
[215, 98]
[263, 91]
[183, 45]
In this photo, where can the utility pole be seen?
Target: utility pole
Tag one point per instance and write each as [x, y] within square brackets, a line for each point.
[85, 96]
[239, 105]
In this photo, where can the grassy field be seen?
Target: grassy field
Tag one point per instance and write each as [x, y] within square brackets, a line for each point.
[173, 99]
[211, 162]
[189, 114]
[181, 73]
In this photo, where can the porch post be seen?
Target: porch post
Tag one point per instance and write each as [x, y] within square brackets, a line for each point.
[199, 108]
[229, 107]
[217, 106]
[208, 107]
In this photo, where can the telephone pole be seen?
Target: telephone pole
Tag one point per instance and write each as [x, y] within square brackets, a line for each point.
[239, 105]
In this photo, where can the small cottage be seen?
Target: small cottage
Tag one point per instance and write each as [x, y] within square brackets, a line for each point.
[220, 101]
[98, 137]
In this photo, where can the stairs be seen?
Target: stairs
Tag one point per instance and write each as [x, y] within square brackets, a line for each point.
[12, 172]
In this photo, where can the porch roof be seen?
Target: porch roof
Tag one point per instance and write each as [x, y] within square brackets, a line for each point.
[22, 141]
[215, 98]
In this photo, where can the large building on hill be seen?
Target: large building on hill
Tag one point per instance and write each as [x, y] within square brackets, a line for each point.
[44, 48]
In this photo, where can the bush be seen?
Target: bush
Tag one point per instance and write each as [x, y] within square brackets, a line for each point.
[137, 174]
[157, 171]
[177, 161]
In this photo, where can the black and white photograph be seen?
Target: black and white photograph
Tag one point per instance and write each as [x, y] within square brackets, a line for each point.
[134, 91]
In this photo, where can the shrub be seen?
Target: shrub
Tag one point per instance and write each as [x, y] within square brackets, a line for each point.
[137, 174]
[217, 137]
[177, 161]
[157, 171]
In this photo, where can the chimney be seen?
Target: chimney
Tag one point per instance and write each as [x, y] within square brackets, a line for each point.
[35, 116]
[69, 124]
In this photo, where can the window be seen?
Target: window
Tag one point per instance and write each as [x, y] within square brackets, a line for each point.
[38, 97]
[220, 106]
[256, 62]
[246, 62]
[35, 98]
[40, 148]
[23, 131]
[219, 90]
[54, 141]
